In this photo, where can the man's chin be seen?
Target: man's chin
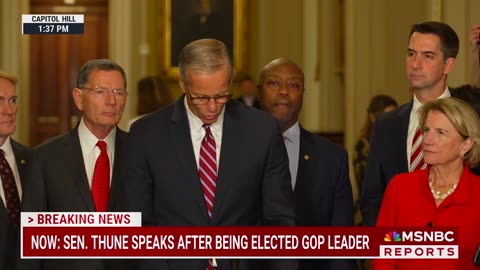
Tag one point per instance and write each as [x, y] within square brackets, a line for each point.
[5, 132]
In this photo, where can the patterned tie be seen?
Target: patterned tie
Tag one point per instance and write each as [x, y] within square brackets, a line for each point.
[101, 179]
[12, 199]
[208, 174]
[416, 157]
[208, 169]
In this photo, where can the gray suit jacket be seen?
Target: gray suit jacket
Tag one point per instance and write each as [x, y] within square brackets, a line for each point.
[57, 182]
[10, 233]
[253, 186]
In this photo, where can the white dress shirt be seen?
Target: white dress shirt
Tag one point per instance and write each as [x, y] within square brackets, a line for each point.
[90, 151]
[414, 120]
[10, 157]
[197, 132]
[292, 143]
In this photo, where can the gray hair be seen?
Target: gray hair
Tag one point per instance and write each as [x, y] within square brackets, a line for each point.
[98, 64]
[206, 55]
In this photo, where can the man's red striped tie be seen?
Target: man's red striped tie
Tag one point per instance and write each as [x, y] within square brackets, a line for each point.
[208, 173]
[416, 157]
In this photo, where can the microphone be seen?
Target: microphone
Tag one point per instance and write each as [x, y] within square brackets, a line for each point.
[430, 224]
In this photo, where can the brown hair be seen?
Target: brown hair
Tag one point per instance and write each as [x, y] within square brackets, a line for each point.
[152, 95]
[377, 105]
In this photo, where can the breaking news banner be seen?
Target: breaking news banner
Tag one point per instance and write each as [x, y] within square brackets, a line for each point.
[117, 234]
[52, 24]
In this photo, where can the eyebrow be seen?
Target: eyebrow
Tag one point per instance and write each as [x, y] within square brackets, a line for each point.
[2, 97]
[203, 95]
[421, 52]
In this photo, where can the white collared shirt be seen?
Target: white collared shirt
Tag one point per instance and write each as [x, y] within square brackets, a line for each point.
[10, 157]
[197, 132]
[414, 120]
[90, 151]
[292, 143]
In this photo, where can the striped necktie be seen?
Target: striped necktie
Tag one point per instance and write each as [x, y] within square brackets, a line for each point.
[208, 168]
[208, 175]
[416, 157]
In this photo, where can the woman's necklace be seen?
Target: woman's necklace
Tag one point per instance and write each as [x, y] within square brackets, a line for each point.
[437, 194]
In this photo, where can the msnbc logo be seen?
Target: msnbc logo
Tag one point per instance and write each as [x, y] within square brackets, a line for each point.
[392, 236]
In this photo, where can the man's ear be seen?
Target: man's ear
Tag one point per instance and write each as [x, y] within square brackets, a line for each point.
[182, 85]
[449, 65]
[77, 95]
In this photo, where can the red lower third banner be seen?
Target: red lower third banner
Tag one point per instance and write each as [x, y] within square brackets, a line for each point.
[236, 242]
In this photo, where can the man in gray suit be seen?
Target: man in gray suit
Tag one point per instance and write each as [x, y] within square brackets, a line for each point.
[80, 171]
[243, 181]
[15, 155]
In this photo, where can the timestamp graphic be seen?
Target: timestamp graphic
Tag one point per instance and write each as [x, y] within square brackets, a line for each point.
[52, 24]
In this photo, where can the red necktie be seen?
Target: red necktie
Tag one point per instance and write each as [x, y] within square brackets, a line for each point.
[12, 199]
[101, 179]
[208, 168]
[208, 173]
[416, 157]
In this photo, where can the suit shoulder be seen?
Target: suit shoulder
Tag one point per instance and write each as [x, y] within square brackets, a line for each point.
[122, 135]
[154, 118]
[253, 115]
[325, 145]
[391, 119]
[395, 114]
[53, 141]
[18, 146]
[57, 143]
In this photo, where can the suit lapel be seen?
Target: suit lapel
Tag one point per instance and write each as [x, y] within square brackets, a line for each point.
[116, 186]
[180, 134]
[303, 164]
[76, 166]
[21, 157]
[230, 146]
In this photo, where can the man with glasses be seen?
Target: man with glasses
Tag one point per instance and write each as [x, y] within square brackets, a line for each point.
[80, 171]
[208, 161]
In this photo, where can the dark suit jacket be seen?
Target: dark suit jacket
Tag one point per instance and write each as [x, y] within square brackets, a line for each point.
[387, 157]
[256, 102]
[323, 192]
[253, 185]
[57, 182]
[10, 233]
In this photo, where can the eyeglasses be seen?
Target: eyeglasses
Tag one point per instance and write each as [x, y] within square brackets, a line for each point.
[220, 99]
[101, 92]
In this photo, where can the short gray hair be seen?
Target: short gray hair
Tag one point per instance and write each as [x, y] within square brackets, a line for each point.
[206, 55]
[98, 64]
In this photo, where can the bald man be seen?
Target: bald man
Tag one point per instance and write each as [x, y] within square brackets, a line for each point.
[318, 168]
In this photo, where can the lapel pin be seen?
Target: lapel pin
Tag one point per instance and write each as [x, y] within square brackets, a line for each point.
[306, 157]
[23, 162]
